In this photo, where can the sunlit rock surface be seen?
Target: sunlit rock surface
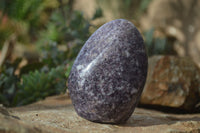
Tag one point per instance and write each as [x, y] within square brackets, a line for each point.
[109, 73]
[172, 82]
[57, 115]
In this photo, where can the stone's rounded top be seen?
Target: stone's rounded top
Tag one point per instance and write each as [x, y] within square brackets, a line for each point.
[119, 31]
[109, 73]
[119, 23]
[116, 28]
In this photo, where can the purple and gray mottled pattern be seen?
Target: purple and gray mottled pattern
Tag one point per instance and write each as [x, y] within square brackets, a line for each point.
[109, 73]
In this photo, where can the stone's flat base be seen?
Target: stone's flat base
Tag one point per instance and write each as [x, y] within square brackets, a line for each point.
[56, 114]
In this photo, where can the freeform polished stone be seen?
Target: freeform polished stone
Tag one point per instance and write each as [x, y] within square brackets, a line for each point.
[109, 73]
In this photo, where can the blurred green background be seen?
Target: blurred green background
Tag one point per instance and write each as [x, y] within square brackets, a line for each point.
[39, 40]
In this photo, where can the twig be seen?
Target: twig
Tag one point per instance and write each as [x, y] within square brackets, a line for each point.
[7, 49]
[62, 9]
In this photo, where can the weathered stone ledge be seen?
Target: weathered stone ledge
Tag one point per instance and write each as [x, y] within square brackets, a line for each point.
[56, 114]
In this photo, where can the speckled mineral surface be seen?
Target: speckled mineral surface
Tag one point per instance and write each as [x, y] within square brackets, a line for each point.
[108, 75]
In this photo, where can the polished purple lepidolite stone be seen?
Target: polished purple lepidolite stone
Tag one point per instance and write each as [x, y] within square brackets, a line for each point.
[109, 73]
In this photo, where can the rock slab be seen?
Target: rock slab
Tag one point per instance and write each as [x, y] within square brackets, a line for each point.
[172, 82]
[57, 115]
[109, 73]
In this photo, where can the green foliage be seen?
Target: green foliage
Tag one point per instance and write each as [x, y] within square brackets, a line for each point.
[21, 17]
[128, 3]
[98, 14]
[8, 82]
[37, 85]
[154, 45]
[133, 8]
[4, 34]
[157, 46]
[37, 80]
[70, 64]
[7, 86]
[21, 9]
[47, 77]
[52, 56]
[73, 32]
[60, 30]
[144, 4]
